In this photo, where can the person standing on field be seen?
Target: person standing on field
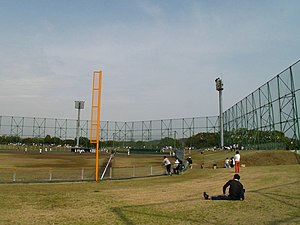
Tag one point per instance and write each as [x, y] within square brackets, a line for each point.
[189, 159]
[167, 164]
[237, 160]
[231, 162]
[176, 166]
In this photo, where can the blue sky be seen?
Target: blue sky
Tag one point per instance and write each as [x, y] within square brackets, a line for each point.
[159, 58]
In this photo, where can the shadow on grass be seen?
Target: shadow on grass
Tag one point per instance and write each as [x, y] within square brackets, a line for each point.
[125, 213]
[291, 220]
[281, 185]
[283, 199]
[122, 212]
[272, 195]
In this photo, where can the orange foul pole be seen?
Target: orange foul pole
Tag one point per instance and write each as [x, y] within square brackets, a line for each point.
[95, 117]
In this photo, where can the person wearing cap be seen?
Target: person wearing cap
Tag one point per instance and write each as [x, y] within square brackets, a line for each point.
[236, 190]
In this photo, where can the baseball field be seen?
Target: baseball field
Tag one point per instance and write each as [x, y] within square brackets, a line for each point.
[271, 180]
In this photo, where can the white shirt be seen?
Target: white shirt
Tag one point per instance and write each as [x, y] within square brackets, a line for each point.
[237, 157]
[176, 163]
[166, 161]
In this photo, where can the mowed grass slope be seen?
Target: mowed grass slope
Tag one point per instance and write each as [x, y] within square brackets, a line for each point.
[272, 196]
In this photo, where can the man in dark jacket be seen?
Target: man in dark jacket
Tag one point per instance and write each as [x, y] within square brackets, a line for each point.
[236, 190]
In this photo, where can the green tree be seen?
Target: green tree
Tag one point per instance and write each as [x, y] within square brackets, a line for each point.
[84, 141]
[48, 140]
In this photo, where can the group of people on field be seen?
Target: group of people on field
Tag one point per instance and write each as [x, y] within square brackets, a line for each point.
[178, 165]
[234, 162]
[236, 189]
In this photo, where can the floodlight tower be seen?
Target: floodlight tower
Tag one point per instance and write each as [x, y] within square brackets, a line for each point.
[78, 105]
[219, 88]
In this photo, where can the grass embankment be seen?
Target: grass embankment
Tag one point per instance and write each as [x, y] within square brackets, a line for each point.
[248, 158]
[272, 197]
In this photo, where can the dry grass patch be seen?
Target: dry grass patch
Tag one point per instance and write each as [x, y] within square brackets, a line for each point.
[272, 197]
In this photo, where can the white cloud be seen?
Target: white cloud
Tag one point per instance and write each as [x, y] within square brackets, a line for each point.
[161, 66]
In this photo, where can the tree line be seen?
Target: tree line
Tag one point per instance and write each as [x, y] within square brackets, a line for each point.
[248, 138]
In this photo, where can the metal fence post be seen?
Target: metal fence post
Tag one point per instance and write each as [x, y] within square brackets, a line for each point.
[110, 172]
[14, 175]
[133, 171]
[151, 171]
[82, 173]
[50, 174]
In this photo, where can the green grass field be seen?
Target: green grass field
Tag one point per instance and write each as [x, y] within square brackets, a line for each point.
[271, 180]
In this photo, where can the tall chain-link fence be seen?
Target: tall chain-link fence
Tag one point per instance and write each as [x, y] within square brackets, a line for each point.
[272, 107]
[117, 131]
[260, 119]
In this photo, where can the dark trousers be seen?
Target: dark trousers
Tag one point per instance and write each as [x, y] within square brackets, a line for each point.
[168, 168]
[222, 197]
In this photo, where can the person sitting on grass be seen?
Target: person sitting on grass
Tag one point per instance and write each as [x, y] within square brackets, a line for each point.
[236, 190]
[227, 165]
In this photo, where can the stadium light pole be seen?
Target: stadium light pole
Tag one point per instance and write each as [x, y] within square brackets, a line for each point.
[114, 137]
[219, 88]
[78, 105]
[175, 132]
